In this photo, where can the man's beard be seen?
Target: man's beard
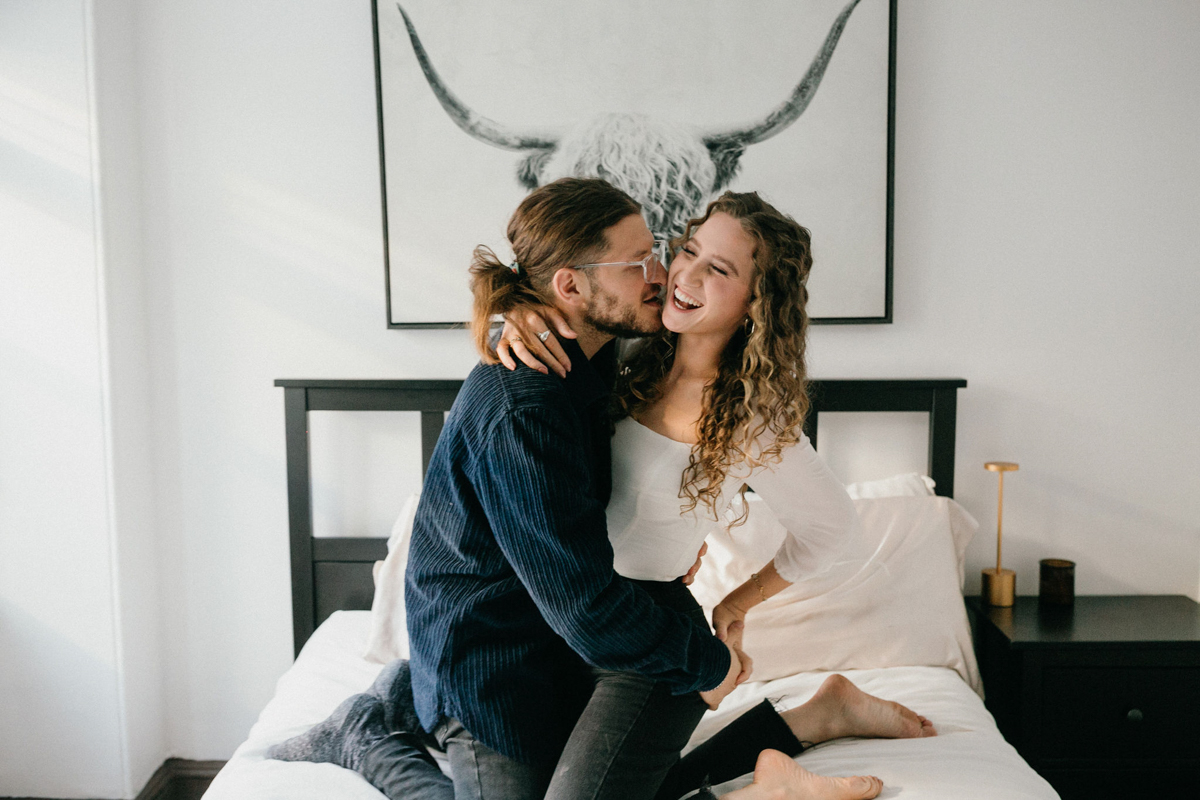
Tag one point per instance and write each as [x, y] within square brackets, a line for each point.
[607, 314]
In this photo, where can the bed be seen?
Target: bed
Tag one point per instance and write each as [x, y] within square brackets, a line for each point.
[931, 669]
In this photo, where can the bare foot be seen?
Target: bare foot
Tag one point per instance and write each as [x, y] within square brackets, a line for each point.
[777, 777]
[839, 708]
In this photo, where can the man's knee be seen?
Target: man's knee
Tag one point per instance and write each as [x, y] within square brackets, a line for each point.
[481, 773]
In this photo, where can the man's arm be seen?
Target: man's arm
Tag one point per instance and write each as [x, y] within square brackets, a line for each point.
[533, 480]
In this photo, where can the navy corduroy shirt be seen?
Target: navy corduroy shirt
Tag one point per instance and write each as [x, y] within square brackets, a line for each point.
[510, 586]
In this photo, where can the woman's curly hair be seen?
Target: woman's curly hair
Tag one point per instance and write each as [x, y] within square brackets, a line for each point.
[756, 405]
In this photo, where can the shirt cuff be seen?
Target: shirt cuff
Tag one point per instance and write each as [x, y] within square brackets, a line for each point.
[714, 667]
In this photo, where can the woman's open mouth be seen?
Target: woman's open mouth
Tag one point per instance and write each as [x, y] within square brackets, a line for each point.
[683, 302]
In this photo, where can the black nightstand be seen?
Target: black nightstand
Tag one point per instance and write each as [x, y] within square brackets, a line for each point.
[1102, 698]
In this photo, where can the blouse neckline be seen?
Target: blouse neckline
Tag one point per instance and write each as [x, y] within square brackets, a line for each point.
[663, 436]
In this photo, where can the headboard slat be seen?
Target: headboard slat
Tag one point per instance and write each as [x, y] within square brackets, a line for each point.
[942, 429]
[431, 428]
[300, 526]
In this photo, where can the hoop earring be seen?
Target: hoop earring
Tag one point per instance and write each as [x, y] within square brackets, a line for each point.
[748, 326]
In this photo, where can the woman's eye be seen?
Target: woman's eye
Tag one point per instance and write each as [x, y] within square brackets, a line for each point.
[718, 270]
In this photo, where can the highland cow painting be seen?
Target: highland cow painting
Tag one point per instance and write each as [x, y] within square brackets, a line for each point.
[673, 101]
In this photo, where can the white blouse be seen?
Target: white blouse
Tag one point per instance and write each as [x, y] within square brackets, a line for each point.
[653, 539]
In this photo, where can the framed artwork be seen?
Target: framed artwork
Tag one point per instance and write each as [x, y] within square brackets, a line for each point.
[675, 101]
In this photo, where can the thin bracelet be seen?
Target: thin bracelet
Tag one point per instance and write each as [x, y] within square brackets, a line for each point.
[762, 592]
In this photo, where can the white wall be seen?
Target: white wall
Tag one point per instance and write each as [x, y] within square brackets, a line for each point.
[1045, 201]
[1047, 192]
[264, 260]
[80, 709]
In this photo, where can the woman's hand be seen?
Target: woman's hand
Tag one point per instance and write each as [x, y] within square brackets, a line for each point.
[732, 636]
[729, 615]
[747, 666]
[729, 621]
[528, 335]
[691, 573]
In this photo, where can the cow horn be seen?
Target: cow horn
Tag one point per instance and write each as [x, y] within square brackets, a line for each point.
[473, 124]
[791, 109]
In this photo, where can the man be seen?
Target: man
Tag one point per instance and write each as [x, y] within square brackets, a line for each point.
[510, 589]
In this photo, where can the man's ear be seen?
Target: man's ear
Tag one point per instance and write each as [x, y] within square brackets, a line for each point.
[571, 288]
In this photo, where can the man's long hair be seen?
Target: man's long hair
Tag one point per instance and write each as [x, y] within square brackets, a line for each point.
[557, 225]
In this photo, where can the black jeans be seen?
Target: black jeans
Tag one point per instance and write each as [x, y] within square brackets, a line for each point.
[730, 753]
[626, 743]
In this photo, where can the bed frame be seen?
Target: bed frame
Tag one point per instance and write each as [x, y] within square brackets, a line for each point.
[331, 574]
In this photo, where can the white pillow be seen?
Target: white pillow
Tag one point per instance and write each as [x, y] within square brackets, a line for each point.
[892, 598]
[909, 484]
[388, 639]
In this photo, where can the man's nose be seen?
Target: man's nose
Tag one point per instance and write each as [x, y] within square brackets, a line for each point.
[655, 273]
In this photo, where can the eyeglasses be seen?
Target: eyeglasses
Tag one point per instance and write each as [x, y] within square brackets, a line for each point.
[654, 266]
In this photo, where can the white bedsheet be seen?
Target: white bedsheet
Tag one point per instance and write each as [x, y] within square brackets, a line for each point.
[969, 759]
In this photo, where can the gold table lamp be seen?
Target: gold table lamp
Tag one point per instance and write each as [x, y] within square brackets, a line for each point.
[999, 584]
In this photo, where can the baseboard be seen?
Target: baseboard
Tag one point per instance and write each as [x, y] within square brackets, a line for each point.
[180, 779]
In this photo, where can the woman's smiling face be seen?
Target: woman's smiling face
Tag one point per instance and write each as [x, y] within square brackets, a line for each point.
[708, 287]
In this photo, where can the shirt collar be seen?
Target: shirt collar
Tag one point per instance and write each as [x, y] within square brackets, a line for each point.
[589, 379]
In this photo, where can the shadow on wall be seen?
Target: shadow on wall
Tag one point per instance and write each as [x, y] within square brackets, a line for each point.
[60, 735]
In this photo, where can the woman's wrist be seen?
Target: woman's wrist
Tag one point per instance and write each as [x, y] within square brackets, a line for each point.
[761, 586]
[736, 605]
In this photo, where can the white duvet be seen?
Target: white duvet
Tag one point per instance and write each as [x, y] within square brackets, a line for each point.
[968, 759]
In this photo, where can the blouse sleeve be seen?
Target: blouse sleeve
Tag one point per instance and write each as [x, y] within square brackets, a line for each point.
[812, 504]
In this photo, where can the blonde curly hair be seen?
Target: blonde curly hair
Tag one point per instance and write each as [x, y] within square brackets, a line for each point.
[761, 387]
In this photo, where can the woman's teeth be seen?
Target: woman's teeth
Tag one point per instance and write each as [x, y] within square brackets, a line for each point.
[685, 303]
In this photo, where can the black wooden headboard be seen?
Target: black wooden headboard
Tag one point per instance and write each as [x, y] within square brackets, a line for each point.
[329, 574]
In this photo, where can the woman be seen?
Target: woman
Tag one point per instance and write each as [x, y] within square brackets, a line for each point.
[718, 397]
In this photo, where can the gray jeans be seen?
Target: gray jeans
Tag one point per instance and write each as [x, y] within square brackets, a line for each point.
[401, 767]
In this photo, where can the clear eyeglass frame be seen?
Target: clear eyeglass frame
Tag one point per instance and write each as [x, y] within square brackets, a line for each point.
[654, 266]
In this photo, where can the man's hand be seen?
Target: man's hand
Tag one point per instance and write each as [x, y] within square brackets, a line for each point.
[525, 328]
[713, 697]
[747, 666]
[728, 622]
[732, 636]
[691, 573]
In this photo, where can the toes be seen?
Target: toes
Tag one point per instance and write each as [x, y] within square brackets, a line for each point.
[912, 720]
[864, 787]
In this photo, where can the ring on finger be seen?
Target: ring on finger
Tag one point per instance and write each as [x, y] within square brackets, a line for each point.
[515, 339]
[543, 336]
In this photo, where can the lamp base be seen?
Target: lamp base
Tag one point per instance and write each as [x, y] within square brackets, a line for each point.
[999, 587]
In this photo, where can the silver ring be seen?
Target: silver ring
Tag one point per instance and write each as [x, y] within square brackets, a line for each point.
[544, 335]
